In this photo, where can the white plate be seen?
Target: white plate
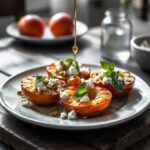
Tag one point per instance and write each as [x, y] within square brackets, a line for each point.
[47, 38]
[126, 108]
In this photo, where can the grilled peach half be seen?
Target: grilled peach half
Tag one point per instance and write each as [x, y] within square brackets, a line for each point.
[100, 99]
[43, 98]
[128, 78]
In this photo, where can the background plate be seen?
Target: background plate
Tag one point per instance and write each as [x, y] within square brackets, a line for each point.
[47, 38]
[121, 109]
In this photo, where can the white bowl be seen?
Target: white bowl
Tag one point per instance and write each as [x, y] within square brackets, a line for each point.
[141, 54]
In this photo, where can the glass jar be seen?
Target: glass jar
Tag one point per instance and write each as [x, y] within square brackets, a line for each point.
[116, 32]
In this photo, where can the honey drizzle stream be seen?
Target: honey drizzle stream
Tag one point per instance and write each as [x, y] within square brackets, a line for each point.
[75, 47]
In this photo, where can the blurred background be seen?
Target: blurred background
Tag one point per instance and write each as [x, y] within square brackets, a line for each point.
[89, 11]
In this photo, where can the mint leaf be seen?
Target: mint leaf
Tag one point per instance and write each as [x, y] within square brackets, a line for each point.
[81, 91]
[107, 66]
[40, 78]
[112, 75]
[108, 74]
[116, 74]
[64, 67]
[120, 85]
[117, 84]
[69, 61]
[66, 64]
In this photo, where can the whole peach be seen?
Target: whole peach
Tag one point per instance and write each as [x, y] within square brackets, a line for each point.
[61, 24]
[31, 25]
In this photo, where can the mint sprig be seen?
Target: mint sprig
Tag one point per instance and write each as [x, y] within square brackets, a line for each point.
[109, 68]
[66, 64]
[69, 62]
[115, 83]
[81, 91]
[112, 75]
[40, 78]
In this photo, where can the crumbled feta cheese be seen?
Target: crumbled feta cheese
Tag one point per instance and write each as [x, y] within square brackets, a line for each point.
[44, 88]
[71, 71]
[40, 86]
[97, 78]
[63, 115]
[84, 70]
[100, 76]
[60, 90]
[50, 85]
[82, 80]
[63, 95]
[120, 79]
[105, 80]
[58, 66]
[54, 81]
[90, 84]
[36, 82]
[72, 115]
[85, 98]
[25, 103]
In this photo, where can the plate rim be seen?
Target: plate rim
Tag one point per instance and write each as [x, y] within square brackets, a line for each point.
[35, 40]
[68, 127]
